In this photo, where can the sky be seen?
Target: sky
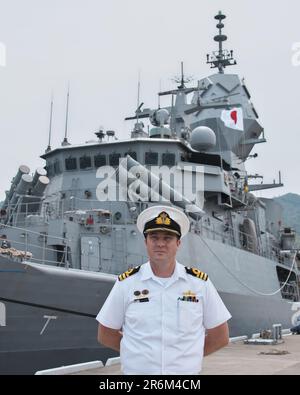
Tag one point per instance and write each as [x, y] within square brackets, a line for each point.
[100, 47]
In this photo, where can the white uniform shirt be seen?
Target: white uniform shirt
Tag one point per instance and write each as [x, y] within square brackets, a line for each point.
[163, 334]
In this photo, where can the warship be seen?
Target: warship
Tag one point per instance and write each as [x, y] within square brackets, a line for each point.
[69, 228]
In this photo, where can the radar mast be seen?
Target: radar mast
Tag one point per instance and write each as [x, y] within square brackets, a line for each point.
[222, 58]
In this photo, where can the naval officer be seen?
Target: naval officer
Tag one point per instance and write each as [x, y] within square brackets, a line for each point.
[162, 316]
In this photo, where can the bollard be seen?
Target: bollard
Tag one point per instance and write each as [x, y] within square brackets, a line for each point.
[277, 331]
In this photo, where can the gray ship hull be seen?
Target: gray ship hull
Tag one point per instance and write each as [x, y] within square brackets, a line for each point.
[66, 341]
[70, 336]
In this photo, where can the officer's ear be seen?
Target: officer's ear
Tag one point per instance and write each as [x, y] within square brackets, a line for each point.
[178, 242]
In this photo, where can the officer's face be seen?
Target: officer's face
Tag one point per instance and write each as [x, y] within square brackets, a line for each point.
[162, 246]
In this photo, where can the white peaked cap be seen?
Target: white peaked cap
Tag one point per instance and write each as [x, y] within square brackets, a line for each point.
[175, 214]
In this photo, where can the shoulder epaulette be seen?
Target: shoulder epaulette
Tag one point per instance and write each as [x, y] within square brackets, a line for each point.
[128, 273]
[196, 273]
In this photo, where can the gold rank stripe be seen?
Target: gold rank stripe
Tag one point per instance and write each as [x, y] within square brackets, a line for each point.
[196, 273]
[128, 273]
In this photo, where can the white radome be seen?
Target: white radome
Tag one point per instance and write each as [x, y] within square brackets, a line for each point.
[203, 138]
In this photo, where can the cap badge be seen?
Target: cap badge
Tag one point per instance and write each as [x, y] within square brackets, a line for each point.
[163, 219]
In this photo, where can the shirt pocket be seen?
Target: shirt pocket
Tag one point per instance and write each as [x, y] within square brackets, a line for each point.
[189, 315]
[141, 313]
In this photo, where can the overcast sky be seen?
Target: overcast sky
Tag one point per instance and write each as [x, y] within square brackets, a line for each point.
[100, 46]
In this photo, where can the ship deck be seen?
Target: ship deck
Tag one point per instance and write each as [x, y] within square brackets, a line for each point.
[235, 359]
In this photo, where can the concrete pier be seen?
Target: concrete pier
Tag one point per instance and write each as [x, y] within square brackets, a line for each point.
[235, 359]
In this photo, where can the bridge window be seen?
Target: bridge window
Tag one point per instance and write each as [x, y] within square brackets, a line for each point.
[151, 158]
[132, 154]
[85, 162]
[114, 159]
[100, 160]
[71, 163]
[168, 159]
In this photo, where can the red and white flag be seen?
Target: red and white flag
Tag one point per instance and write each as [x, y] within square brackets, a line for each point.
[233, 118]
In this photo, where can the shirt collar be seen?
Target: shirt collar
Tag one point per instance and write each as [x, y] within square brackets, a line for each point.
[179, 272]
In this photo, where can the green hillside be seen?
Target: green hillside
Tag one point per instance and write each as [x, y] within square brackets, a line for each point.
[291, 210]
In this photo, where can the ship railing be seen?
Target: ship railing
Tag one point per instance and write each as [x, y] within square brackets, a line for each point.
[15, 213]
[43, 253]
[228, 235]
[44, 211]
[68, 257]
[231, 236]
[290, 290]
[243, 240]
[19, 213]
[27, 247]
